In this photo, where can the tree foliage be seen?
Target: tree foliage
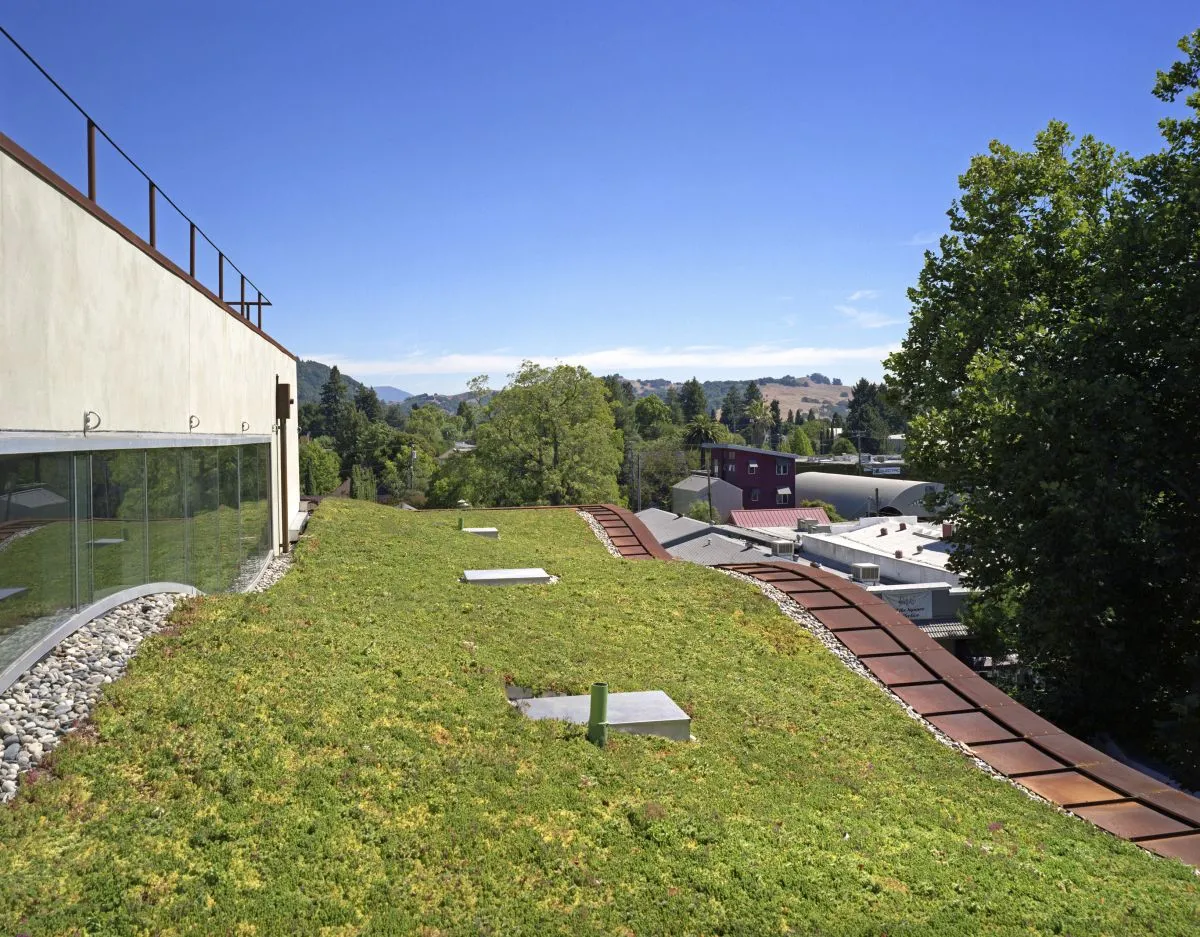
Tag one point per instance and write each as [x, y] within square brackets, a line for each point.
[550, 437]
[319, 468]
[1053, 363]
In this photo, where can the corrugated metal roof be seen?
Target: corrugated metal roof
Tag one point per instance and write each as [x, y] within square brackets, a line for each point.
[942, 630]
[777, 517]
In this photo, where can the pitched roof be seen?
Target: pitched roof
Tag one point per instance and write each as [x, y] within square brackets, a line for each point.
[763, 452]
[777, 517]
[700, 483]
[714, 549]
[669, 528]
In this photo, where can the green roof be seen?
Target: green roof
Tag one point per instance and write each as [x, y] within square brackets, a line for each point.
[337, 756]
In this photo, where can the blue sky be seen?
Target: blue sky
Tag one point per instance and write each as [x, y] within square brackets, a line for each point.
[427, 191]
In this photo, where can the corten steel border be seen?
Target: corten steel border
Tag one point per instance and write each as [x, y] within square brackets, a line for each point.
[35, 166]
[621, 524]
[996, 728]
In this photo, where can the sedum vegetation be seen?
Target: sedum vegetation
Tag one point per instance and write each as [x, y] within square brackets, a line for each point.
[336, 756]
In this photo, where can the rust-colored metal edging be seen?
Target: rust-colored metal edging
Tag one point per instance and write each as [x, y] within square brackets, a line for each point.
[994, 727]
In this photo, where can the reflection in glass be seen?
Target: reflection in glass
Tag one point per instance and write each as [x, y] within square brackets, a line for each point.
[166, 519]
[228, 522]
[203, 502]
[37, 583]
[76, 527]
[116, 541]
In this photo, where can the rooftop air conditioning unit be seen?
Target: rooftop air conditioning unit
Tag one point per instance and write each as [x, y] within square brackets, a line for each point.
[867, 573]
[783, 547]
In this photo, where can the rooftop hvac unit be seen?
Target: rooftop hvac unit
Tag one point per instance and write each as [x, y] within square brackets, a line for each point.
[865, 572]
[783, 547]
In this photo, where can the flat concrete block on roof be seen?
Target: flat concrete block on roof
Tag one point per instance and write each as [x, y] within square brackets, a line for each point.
[505, 577]
[645, 712]
[490, 532]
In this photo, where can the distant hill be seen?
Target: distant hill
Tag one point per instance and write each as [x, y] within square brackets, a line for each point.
[813, 391]
[390, 394]
[311, 376]
[448, 402]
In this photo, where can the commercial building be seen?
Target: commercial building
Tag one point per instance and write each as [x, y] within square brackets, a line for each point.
[147, 431]
[765, 478]
[860, 496]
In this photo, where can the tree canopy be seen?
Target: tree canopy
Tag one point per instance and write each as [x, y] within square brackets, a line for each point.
[550, 437]
[1053, 369]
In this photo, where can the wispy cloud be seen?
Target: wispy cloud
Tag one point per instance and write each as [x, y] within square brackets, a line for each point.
[635, 361]
[866, 318]
[860, 295]
[922, 239]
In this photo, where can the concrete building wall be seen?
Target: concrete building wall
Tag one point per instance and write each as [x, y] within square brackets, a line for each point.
[91, 322]
[725, 498]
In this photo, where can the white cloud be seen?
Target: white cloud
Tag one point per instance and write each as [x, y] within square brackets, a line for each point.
[867, 318]
[859, 295]
[922, 239]
[627, 360]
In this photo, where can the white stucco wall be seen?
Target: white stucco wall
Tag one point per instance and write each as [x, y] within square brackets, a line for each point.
[90, 322]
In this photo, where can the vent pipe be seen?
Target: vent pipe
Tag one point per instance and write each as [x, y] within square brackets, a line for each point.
[597, 732]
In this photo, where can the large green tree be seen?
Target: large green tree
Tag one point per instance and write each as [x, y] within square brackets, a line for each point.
[1053, 364]
[319, 468]
[692, 400]
[550, 438]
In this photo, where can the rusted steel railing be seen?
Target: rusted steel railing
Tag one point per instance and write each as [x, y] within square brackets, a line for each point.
[242, 304]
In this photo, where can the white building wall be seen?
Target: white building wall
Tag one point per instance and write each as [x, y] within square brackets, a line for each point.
[90, 322]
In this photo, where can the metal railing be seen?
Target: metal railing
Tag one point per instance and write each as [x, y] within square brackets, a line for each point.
[243, 304]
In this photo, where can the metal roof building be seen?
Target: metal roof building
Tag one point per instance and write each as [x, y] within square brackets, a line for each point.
[859, 496]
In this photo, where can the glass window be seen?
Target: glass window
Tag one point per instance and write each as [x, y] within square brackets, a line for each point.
[202, 491]
[229, 527]
[781, 466]
[166, 515]
[37, 567]
[114, 541]
[77, 527]
[752, 468]
[753, 494]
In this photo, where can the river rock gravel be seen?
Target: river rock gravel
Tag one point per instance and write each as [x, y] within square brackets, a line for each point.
[58, 693]
[600, 532]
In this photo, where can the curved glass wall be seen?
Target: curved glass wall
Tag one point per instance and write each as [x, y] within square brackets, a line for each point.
[76, 527]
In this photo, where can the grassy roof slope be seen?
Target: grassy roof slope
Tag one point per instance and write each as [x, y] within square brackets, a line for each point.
[337, 756]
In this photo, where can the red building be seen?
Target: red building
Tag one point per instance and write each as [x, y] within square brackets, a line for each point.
[767, 479]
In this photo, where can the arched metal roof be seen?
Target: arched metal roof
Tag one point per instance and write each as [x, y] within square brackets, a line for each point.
[860, 495]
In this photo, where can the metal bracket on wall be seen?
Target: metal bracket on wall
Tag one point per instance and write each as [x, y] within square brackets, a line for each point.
[245, 426]
[87, 421]
[193, 422]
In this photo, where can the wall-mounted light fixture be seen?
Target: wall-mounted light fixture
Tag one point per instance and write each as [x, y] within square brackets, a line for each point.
[91, 420]
[193, 422]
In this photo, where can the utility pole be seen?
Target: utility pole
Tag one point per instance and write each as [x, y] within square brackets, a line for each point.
[639, 480]
[412, 463]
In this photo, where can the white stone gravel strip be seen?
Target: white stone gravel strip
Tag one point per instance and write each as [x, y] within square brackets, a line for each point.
[275, 570]
[600, 532]
[59, 692]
